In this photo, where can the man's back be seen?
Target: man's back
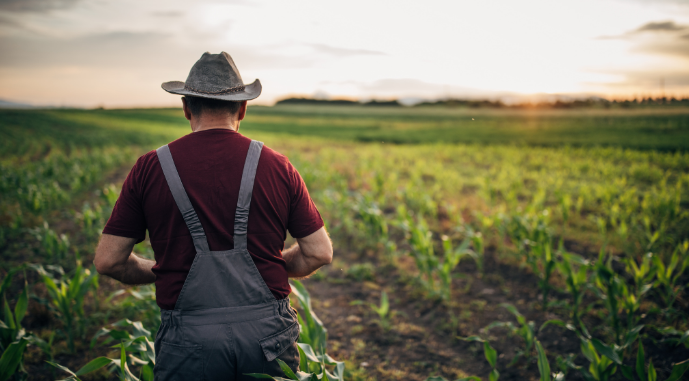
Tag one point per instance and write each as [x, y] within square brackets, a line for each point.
[210, 164]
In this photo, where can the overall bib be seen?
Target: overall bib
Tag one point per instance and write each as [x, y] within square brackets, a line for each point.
[226, 322]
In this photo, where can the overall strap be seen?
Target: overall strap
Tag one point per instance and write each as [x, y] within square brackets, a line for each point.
[182, 200]
[241, 218]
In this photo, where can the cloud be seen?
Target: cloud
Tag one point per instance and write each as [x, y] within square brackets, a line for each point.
[167, 14]
[660, 26]
[343, 52]
[36, 5]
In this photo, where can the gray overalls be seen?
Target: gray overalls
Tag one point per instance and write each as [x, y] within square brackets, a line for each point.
[226, 322]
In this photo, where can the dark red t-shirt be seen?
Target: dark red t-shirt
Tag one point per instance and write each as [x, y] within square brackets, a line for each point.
[210, 164]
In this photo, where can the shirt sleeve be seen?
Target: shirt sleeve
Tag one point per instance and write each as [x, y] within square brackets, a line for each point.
[304, 218]
[127, 218]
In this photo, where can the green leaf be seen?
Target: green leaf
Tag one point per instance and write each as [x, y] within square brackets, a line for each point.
[9, 318]
[652, 376]
[94, 365]
[436, 378]
[559, 376]
[22, 305]
[494, 375]
[515, 312]
[632, 335]
[123, 362]
[558, 323]
[678, 370]
[147, 373]
[259, 375]
[470, 378]
[11, 358]
[64, 368]
[308, 351]
[288, 371]
[606, 351]
[640, 363]
[628, 372]
[303, 363]
[490, 353]
[543, 364]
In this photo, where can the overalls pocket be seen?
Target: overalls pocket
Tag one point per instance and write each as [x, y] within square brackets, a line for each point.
[178, 363]
[282, 345]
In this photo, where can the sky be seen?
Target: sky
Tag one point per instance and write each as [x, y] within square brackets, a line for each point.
[117, 53]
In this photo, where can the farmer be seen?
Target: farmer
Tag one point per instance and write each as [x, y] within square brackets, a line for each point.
[217, 206]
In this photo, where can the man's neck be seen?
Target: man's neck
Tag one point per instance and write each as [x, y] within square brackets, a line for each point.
[210, 122]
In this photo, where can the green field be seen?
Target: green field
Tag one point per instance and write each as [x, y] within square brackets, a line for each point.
[567, 230]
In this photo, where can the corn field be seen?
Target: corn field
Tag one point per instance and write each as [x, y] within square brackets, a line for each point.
[452, 261]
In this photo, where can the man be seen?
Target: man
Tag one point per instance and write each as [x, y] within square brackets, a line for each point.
[217, 206]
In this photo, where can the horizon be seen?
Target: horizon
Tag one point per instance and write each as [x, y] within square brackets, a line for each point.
[116, 54]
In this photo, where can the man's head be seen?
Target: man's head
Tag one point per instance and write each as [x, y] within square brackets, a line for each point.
[205, 113]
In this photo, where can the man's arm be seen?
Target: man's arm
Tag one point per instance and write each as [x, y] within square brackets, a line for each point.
[308, 254]
[114, 258]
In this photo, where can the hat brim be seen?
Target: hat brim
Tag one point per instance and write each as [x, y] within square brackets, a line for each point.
[251, 91]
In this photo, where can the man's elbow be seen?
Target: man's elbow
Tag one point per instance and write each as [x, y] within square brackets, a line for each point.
[327, 255]
[102, 266]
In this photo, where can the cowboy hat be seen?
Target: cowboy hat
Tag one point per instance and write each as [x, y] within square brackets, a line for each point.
[215, 76]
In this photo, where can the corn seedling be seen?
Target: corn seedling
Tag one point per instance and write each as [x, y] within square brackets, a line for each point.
[490, 354]
[525, 330]
[544, 366]
[478, 247]
[67, 297]
[13, 338]
[450, 261]
[610, 289]
[574, 269]
[313, 338]
[383, 312]
[649, 373]
[54, 246]
[667, 275]
[139, 341]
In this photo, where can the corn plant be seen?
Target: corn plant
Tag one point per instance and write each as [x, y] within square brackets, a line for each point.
[67, 297]
[91, 219]
[383, 312]
[525, 330]
[575, 270]
[312, 341]
[610, 289]
[54, 246]
[544, 252]
[139, 341]
[374, 224]
[544, 366]
[682, 337]
[649, 373]
[420, 239]
[450, 261]
[13, 338]
[478, 247]
[490, 353]
[668, 275]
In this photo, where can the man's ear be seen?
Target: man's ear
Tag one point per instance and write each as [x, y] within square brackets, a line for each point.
[185, 108]
[242, 111]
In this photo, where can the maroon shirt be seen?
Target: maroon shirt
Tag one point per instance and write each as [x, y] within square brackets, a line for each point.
[210, 164]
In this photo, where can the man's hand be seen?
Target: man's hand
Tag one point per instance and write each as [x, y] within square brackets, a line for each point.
[308, 254]
[114, 258]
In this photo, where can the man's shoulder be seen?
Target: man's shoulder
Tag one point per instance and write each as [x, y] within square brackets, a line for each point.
[274, 156]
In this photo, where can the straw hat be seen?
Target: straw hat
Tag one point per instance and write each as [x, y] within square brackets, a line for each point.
[215, 76]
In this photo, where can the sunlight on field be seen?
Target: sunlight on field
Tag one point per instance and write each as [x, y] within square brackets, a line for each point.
[573, 220]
